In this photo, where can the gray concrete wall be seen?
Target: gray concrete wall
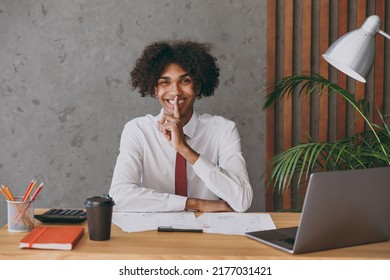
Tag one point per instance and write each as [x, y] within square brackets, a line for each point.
[64, 97]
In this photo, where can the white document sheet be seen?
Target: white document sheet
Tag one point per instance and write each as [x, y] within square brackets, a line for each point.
[133, 222]
[222, 223]
[235, 223]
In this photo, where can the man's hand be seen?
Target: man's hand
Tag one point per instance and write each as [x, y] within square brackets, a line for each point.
[207, 205]
[171, 127]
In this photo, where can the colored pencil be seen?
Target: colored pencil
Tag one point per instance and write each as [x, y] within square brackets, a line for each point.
[39, 188]
[5, 194]
[7, 190]
[29, 190]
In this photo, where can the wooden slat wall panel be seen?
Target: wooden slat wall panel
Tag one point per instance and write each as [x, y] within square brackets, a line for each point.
[360, 87]
[315, 13]
[288, 71]
[305, 69]
[379, 64]
[270, 114]
[323, 111]
[306, 66]
[341, 129]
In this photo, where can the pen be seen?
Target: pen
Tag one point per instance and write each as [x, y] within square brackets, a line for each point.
[171, 229]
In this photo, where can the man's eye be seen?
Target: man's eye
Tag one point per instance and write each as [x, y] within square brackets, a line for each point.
[186, 81]
[163, 82]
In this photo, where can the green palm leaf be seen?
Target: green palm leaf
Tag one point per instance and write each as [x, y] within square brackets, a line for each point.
[364, 150]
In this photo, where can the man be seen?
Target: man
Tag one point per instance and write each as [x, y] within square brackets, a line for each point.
[176, 73]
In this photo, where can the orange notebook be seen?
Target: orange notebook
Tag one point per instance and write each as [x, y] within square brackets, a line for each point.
[61, 238]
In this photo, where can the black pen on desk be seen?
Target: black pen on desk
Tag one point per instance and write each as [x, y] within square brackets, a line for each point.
[171, 229]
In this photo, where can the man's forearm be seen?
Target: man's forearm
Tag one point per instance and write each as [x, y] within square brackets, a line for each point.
[207, 205]
[189, 154]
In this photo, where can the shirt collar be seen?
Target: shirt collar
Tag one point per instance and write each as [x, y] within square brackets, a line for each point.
[190, 128]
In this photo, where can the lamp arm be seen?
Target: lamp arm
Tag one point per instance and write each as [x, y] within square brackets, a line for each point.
[384, 34]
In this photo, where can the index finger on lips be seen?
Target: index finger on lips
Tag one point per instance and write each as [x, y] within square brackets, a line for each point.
[176, 112]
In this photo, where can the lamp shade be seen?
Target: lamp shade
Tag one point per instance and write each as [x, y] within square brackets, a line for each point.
[354, 52]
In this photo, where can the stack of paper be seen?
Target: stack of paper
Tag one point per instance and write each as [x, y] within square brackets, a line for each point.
[223, 223]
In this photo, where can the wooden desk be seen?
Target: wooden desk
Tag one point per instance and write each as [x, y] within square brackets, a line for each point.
[176, 245]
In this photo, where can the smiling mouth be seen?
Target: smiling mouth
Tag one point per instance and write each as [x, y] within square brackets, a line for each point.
[172, 101]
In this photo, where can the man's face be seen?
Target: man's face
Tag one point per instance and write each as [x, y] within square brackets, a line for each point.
[175, 81]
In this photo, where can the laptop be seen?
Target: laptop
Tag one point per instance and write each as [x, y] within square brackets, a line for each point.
[341, 209]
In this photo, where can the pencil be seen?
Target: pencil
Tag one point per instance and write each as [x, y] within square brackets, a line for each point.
[4, 193]
[37, 191]
[7, 191]
[28, 205]
[29, 190]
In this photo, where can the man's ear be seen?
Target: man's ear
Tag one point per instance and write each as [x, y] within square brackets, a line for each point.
[155, 92]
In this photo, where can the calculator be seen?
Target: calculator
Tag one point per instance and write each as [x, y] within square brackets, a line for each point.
[62, 216]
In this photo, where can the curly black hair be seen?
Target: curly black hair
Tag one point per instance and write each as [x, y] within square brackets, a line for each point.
[193, 57]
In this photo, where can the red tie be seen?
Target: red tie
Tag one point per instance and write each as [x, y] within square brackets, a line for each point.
[180, 176]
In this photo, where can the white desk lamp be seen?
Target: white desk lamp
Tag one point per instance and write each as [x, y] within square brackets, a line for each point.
[353, 53]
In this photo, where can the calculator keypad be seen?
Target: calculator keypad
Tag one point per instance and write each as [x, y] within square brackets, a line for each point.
[56, 215]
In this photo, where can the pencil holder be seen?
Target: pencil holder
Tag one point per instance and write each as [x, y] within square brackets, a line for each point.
[20, 215]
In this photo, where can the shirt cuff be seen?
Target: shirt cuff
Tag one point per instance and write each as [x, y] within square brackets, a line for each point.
[176, 203]
[203, 167]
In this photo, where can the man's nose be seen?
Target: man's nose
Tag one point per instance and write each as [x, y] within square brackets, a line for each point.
[175, 88]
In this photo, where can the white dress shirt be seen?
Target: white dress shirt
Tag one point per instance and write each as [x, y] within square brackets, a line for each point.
[144, 174]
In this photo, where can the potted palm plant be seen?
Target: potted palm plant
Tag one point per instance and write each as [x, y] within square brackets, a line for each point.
[370, 148]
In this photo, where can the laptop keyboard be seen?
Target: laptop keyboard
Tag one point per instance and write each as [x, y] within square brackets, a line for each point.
[288, 240]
